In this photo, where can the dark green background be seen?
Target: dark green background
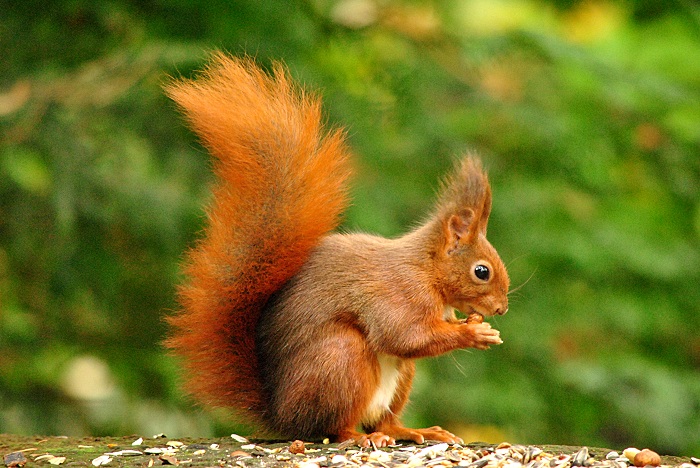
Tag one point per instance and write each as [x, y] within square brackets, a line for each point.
[587, 115]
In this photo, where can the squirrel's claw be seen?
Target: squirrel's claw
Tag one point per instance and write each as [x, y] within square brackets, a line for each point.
[376, 439]
[483, 336]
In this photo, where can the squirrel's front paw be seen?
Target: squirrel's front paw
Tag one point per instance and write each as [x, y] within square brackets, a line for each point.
[481, 335]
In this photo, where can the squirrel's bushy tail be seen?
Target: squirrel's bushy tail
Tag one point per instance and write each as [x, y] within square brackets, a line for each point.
[280, 186]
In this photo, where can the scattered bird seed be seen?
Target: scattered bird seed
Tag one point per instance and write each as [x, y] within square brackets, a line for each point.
[580, 457]
[240, 453]
[504, 455]
[338, 459]
[309, 465]
[238, 438]
[438, 455]
[15, 459]
[480, 463]
[432, 451]
[155, 450]
[101, 460]
[169, 460]
[380, 456]
[297, 447]
[647, 457]
[122, 453]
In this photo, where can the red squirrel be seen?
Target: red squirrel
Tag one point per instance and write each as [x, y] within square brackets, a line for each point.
[305, 332]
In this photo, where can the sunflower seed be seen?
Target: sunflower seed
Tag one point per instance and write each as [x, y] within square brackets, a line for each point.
[580, 457]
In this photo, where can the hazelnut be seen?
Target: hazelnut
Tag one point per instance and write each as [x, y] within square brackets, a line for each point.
[297, 447]
[475, 317]
[630, 453]
[647, 457]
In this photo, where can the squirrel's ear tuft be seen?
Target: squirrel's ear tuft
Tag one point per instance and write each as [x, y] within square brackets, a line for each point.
[485, 210]
[464, 204]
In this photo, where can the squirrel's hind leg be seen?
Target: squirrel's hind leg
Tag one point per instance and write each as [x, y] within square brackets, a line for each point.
[325, 388]
[390, 425]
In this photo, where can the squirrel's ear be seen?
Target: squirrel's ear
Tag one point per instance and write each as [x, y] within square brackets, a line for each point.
[460, 228]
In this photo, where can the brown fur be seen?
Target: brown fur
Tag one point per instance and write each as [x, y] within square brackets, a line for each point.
[309, 333]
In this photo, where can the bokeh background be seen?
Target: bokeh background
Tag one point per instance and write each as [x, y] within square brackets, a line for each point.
[587, 114]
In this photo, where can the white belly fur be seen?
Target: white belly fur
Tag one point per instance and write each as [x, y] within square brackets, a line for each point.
[384, 394]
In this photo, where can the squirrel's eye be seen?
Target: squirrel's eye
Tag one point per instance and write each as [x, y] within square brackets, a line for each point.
[482, 272]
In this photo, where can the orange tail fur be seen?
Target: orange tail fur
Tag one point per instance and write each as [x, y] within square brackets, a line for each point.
[281, 186]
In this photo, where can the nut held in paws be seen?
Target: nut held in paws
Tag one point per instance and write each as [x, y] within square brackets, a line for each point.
[475, 317]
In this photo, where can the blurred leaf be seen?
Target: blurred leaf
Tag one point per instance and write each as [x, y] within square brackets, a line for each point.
[27, 170]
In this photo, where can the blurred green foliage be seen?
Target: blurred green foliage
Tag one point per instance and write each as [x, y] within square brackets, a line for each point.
[586, 112]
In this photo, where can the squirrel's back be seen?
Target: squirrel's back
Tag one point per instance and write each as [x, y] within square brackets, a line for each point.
[280, 187]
